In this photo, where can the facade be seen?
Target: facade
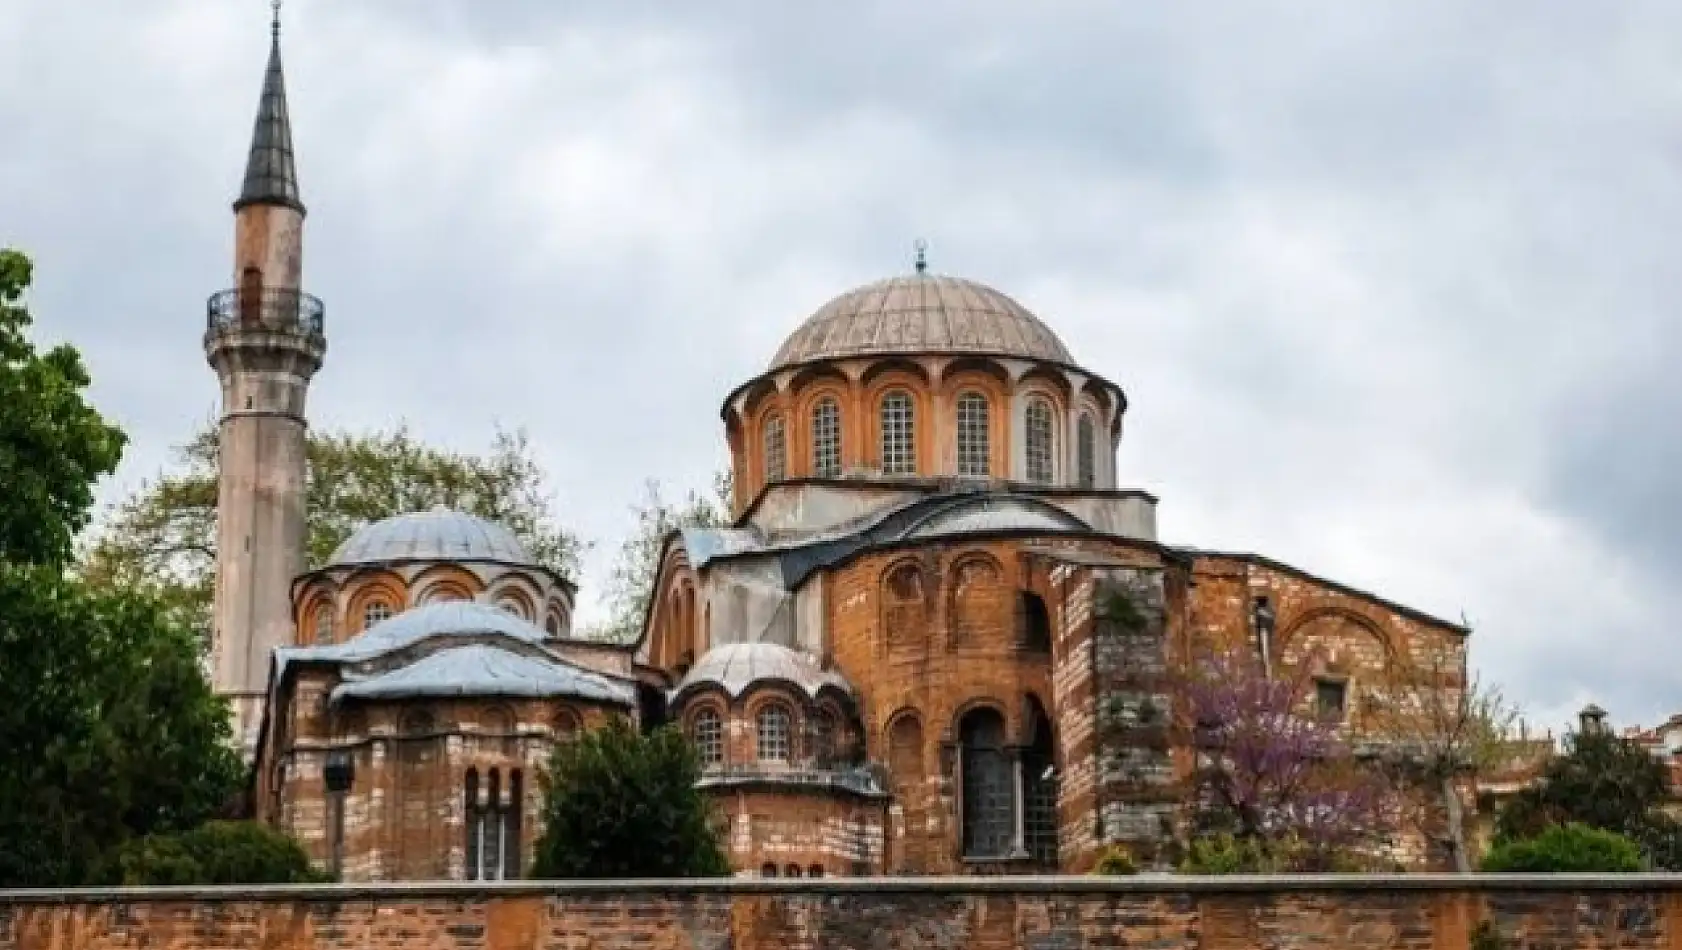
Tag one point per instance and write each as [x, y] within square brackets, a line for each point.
[936, 637]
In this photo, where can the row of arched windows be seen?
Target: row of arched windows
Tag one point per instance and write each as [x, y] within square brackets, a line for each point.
[773, 735]
[897, 431]
[378, 608]
[979, 598]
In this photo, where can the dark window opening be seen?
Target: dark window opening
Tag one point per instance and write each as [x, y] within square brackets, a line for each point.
[769, 870]
[493, 826]
[1036, 623]
[1039, 778]
[988, 799]
[1329, 699]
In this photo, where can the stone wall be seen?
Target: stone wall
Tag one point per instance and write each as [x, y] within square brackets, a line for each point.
[1418, 912]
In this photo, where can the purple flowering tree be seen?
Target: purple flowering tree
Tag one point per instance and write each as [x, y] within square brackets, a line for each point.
[1274, 773]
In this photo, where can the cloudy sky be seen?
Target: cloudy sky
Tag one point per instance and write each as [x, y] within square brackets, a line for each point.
[1391, 286]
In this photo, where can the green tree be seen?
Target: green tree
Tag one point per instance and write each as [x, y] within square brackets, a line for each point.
[53, 445]
[109, 726]
[637, 565]
[621, 804]
[163, 538]
[216, 852]
[1563, 849]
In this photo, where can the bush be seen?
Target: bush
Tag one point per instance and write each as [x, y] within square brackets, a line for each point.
[1115, 862]
[620, 804]
[1571, 847]
[1226, 854]
[217, 852]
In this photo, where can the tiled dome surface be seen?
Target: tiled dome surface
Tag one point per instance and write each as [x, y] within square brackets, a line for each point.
[436, 535]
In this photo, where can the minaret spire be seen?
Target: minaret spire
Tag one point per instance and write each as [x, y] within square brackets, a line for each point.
[271, 177]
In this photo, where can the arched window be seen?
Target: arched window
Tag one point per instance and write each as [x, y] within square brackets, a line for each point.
[974, 453]
[513, 606]
[566, 725]
[1036, 622]
[373, 612]
[1086, 449]
[552, 626]
[768, 869]
[324, 623]
[989, 801]
[707, 732]
[772, 733]
[979, 601]
[776, 450]
[904, 614]
[815, 870]
[1038, 441]
[493, 826]
[792, 870]
[909, 785]
[1039, 776]
[826, 438]
[823, 738]
[899, 434]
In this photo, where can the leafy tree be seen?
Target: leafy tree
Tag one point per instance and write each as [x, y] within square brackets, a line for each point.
[109, 726]
[634, 570]
[1271, 774]
[1566, 848]
[1602, 781]
[217, 852]
[1449, 729]
[622, 804]
[163, 538]
[53, 445]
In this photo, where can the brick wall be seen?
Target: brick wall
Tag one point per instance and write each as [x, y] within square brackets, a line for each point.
[1404, 913]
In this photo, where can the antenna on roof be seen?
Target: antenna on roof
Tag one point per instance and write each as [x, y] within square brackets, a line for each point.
[921, 246]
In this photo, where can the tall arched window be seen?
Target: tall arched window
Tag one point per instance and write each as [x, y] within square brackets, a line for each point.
[373, 612]
[903, 613]
[826, 438]
[989, 801]
[324, 623]
[771, 734]
[1086, 449]
[1038, 441]
[978, 600]
[776, 456]
[493, 826]
[707, 732]
[899, 434]
[974, 453]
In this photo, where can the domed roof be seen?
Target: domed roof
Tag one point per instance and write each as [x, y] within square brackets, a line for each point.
[736, 666]
[437, 535]
[921, 313]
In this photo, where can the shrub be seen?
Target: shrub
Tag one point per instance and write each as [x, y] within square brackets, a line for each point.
[217, 852]
[1571, 847]
[620, 804]
[1226, 854]
[1115, 862]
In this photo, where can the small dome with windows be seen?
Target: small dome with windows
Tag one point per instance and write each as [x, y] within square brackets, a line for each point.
[441, 534]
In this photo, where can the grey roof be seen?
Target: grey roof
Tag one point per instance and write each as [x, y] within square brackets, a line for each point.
[484, 670]
[921, 313]
[736, 666]
[270, 175]
[437, 535]
[457, 618]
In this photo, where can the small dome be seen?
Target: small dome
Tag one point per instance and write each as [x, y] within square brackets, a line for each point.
[921, 313]
[736, 666]
[437, 535]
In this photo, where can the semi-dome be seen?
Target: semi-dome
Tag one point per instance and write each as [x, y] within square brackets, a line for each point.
[441, 534]
[737, 666]
[921, 313]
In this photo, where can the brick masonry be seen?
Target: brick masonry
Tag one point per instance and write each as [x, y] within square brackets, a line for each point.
[1418, 912]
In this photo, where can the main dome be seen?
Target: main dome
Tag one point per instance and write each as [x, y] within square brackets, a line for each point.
[437, 535]
[921, 313]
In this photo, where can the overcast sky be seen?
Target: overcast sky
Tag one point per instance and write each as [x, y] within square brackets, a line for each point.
[1391, 286]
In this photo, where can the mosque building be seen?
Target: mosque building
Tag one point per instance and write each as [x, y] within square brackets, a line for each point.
[935, 638]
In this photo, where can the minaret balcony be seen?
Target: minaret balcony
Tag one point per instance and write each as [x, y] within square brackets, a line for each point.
[269, 309]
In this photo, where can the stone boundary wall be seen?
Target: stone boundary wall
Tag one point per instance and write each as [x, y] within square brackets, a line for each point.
[1417, 912]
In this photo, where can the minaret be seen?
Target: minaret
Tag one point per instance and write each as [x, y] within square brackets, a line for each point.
[264, 338]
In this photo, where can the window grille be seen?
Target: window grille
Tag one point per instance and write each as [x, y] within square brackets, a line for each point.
[826, 438]
[708, 737]
[974, 456]
[772, 734]
[775, 450]
[1087, 451]
[988, 804]
[374, 612]
[1038, 441]
[899, 440]
[1039, 819]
